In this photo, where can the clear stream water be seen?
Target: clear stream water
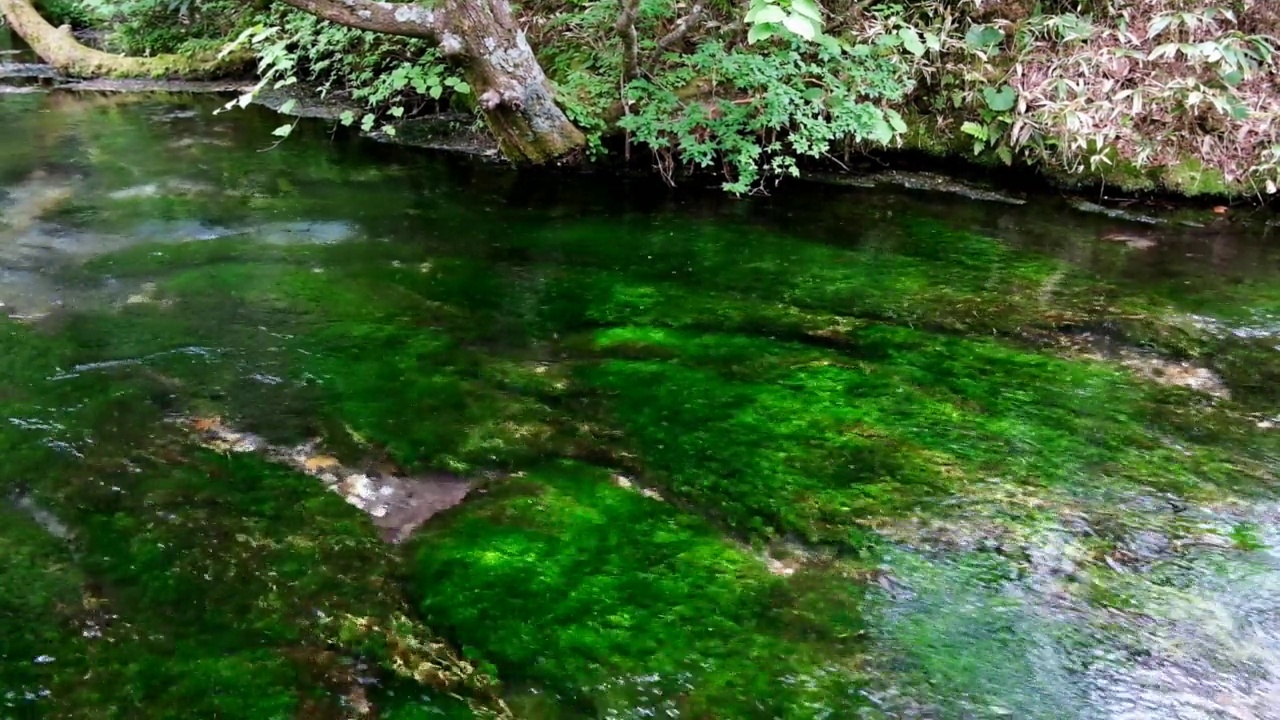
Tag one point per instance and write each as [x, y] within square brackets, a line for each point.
[340, 430]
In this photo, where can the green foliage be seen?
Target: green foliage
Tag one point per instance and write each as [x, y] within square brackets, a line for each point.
[801, 19]
[152, 27]
[1103, 90]
[756, 114]
[76, 13]
[392, 77]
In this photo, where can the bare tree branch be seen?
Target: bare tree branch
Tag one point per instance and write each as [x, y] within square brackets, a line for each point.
[626, 27]
[681, 30]
[407, 19]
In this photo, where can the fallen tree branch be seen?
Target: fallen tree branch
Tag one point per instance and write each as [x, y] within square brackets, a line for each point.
[64, 53]
[681, 30]
[511, 89]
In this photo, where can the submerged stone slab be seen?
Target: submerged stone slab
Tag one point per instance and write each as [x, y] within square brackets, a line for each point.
[398, 504]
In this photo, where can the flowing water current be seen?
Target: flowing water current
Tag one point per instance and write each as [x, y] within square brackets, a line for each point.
[337, 430]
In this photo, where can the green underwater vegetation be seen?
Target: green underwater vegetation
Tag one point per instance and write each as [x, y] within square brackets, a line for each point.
[723, 465]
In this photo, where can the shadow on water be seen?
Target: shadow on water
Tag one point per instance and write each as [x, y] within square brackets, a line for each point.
[831, 453]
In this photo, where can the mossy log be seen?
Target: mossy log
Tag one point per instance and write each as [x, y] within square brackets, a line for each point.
[59, 48]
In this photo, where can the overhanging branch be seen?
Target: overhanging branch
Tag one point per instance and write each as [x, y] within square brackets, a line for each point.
[407, 19]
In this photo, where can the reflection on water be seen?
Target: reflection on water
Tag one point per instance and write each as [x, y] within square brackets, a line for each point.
[1009, 465]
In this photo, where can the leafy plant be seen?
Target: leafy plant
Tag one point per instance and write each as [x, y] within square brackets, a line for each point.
[783, 18]
[392, 77]
[755, 115]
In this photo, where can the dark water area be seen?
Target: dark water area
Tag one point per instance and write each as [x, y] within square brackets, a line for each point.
[330, 429]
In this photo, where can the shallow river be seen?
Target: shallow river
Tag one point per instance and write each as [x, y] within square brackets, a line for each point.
[337, 430]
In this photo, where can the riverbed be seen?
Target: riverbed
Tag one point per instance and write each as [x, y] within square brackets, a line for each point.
[330, 429]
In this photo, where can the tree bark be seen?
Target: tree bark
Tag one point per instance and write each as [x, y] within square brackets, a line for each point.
[512, 91]
[61, 50]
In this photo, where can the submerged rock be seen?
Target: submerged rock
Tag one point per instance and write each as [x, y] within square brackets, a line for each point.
[1174, 372]
[38, 195]
[1114, 213]
[398, 504]
[1132, 240]
[931, 182]
[1152, 367]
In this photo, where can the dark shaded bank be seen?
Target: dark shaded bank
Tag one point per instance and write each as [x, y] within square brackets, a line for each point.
[840, 452]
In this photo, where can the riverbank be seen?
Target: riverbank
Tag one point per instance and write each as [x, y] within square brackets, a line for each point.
[1137, 99]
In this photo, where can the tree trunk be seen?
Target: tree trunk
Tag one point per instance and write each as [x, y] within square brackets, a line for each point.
[513, 93]
[61, 50]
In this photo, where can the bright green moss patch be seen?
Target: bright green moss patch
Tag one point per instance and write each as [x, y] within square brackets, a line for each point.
[610, 602]
[780, 439]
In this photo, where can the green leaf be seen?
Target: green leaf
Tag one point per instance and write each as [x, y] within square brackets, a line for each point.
[895, 121]
[389, 130]
[366, 122]
[831, 44]
[288, 106]
[880, 131]
[770, 14]
[283, 131]
[973, 129]
[761, 32]
[1001, 100]
[802, 26]
[396, 111]
[981, 37]
[1005, 154]
[807, 8]
[814, 94]
[911, 41]
[347, 117]
[462, 88]
[756, 7]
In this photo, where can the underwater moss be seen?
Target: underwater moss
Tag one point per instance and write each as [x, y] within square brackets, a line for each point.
[609, 603]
